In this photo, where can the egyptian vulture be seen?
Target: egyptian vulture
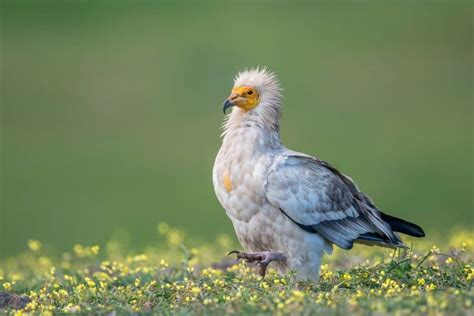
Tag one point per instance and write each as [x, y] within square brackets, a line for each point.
[288, 207]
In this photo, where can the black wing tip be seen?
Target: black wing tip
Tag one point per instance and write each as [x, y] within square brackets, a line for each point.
[417, 231]
[403, 226]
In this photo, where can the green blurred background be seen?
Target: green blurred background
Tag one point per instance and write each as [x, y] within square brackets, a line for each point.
[111, 111]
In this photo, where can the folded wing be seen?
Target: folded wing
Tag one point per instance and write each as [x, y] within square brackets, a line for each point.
[320, 199]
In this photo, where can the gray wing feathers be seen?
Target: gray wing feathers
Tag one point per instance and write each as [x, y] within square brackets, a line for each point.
[317, 197]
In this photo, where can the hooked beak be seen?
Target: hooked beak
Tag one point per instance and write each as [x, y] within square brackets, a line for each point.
[229, 102]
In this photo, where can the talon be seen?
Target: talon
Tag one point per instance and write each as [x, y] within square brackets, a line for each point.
[261, 259]
[263, 269]
[236, 252]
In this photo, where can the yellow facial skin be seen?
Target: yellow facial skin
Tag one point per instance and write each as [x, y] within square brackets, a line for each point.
[244, 97]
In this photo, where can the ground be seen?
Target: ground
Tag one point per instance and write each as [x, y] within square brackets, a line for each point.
[174, 278]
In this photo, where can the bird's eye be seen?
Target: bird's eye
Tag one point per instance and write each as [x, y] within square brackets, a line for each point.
[250, 92]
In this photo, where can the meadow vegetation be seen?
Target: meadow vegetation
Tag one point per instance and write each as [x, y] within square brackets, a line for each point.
[178, 277]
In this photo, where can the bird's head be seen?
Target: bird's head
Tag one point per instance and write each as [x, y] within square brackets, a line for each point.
[245, 97]
[255, 90]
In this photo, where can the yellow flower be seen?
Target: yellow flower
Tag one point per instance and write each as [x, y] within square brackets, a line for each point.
[195, 290]
[297, 295]
[89, 282]
[7, 286]
[326, 274]
[470, 274]
[63, 293]
[79, 250]
[80, 288]
[219, 282]
[95, 249]
[31, 306]
[346, 277]
[431, 287]
[163, 263]
[34, 245]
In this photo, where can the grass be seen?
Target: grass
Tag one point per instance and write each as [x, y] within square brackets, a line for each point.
[175, 279]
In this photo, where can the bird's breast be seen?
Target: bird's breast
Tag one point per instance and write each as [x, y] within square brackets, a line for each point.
[240, 188]
[240, 172]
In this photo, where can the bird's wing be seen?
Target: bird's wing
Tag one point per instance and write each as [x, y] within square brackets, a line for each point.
[320, 199]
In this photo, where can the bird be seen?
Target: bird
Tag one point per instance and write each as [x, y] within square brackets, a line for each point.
[288, 208]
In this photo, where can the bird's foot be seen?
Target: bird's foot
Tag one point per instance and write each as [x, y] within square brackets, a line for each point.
[262, 259]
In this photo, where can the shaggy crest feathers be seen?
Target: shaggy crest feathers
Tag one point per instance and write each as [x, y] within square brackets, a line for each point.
[268, 112]
[261, 78]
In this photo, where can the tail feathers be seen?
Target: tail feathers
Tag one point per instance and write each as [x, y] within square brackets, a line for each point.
[402, 226]
[398, 225]
[373, 239]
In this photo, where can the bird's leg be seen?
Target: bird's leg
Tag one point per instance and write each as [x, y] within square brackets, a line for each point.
[262, 259]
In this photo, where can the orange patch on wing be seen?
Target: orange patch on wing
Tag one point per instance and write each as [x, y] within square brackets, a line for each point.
[227, 182]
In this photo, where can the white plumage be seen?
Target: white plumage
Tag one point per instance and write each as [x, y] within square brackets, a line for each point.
[284, 201]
